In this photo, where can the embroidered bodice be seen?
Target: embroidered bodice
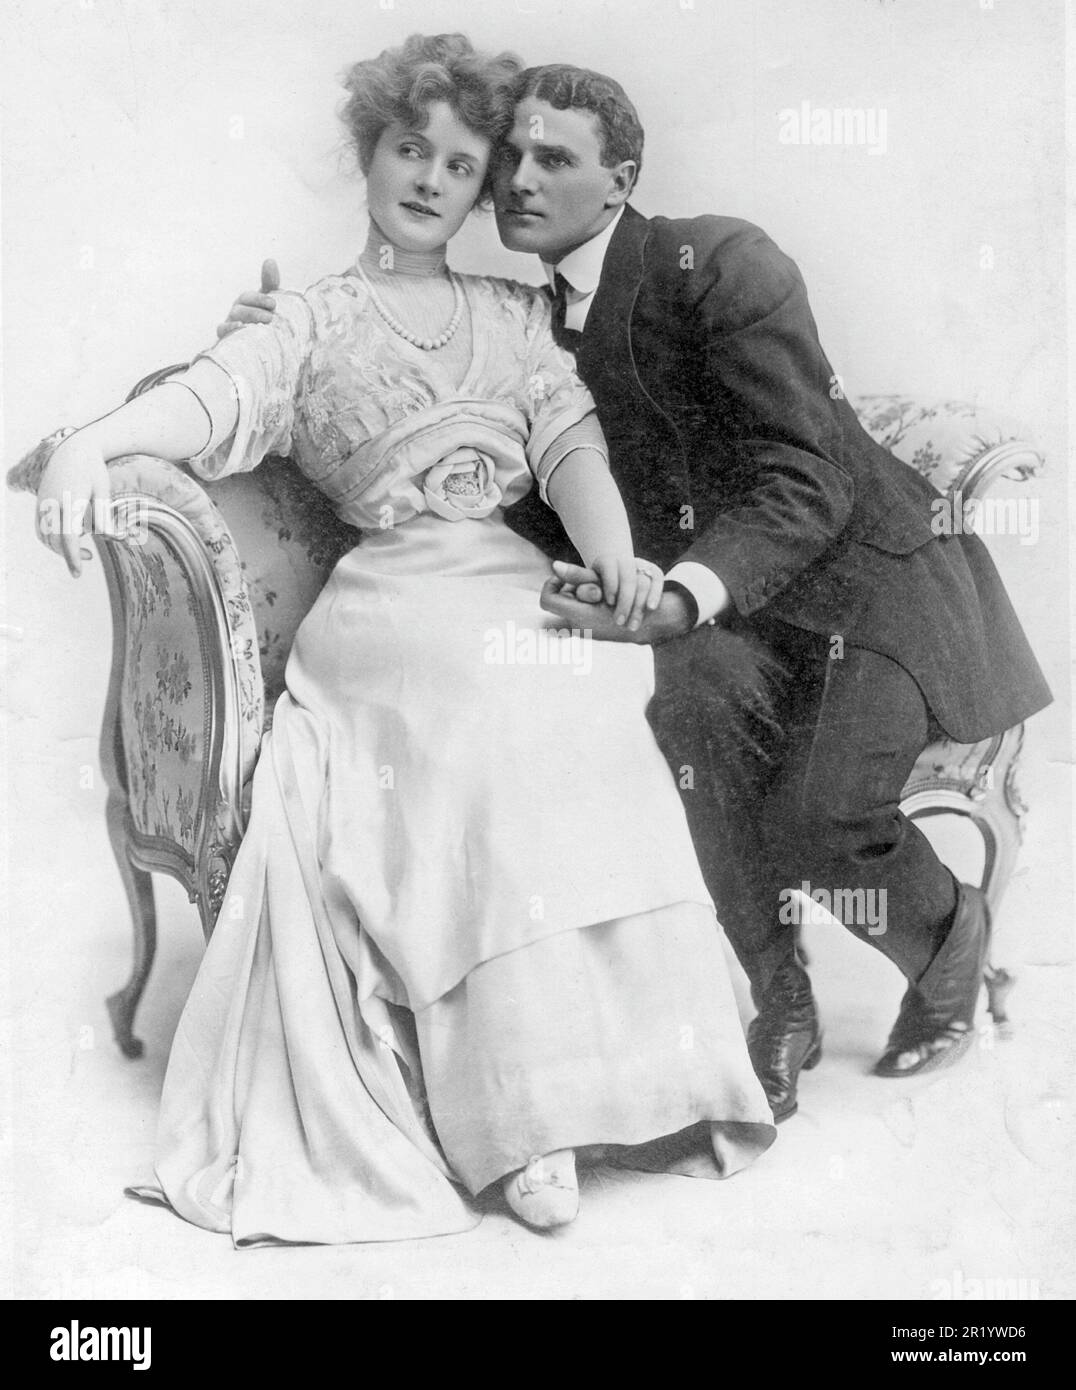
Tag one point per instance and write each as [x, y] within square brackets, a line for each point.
[388, 430]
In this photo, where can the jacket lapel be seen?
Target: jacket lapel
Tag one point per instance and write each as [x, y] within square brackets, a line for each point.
[606, 343]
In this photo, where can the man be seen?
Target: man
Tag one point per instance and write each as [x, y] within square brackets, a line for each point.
[814, 633]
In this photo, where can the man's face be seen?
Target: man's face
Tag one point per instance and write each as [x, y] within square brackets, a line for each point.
[551, 191]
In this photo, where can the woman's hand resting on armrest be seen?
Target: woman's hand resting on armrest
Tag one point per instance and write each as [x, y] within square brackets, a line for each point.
[172, 421]
[73, 494]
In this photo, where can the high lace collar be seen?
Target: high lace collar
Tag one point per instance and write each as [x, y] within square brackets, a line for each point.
[420, 263]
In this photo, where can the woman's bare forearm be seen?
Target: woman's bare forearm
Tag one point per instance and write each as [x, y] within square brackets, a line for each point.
[172, 421]
[587, 500]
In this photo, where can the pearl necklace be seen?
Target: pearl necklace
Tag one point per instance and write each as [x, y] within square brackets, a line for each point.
[426, 344]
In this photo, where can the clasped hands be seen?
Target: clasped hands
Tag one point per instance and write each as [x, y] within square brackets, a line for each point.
[616, 600]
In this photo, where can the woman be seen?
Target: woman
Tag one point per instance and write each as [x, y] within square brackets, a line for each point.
[465, 934]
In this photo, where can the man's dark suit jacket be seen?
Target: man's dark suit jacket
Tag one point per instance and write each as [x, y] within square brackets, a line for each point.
[732, 449]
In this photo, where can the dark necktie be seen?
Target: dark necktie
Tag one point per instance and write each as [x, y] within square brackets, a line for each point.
[566, 337]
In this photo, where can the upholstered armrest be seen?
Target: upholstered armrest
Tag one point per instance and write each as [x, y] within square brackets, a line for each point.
[190, 698]
[270, 537]
[957, 446]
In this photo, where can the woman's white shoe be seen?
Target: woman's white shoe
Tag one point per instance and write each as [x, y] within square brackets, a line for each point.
[545, 1193]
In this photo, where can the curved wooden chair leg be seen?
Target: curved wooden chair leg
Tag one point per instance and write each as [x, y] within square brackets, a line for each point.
[137, 883]
[1000, 829]
[999, 983]
[138, 886]
[979, 782]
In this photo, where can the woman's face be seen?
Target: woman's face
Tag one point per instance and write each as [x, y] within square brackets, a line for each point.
[422, 183]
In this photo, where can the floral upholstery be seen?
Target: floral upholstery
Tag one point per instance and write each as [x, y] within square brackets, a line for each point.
[289, 539]
[169, 650]
[164, 698]
[949, 442]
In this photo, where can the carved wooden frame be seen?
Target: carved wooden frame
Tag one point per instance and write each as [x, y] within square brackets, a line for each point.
[219, 819]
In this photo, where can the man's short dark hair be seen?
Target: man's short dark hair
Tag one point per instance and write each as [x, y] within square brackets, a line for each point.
[579, 89]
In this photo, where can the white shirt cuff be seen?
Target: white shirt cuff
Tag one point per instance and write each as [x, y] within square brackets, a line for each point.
[708, 591]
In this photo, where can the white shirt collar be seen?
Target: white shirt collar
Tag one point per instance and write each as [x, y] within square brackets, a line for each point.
[582, 268]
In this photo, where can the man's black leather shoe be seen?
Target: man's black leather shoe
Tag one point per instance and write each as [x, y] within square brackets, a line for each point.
[934, 1026]
[785, 1038]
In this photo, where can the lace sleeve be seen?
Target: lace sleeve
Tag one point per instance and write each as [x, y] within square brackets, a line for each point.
[265, 365]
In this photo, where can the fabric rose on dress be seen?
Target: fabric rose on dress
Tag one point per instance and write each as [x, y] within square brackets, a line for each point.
[463, 484]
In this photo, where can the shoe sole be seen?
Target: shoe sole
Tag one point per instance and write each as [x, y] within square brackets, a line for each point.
[947, 1057]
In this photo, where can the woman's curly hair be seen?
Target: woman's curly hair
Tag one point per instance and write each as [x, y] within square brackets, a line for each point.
[402, 83]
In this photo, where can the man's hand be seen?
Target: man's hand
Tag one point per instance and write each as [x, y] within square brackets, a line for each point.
[253, 306]
[671, 618]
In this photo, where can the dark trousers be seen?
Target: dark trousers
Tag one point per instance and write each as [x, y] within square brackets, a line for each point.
[791, 756]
